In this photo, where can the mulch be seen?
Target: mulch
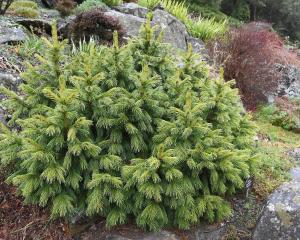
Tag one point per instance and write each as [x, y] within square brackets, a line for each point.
[20, 222]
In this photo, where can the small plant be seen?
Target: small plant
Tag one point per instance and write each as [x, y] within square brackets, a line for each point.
[178, 9]
[112, 3]
[207, 29]
[25, 9]
[24, 4]
[4, 5]
[89, 5]
[95, 24]
[150, 4]
[31, 46]
[284, 113]
[65, 7]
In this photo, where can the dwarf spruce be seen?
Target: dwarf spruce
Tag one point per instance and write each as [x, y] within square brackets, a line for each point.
[123, 132]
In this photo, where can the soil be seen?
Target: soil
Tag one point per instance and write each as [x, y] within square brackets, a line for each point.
[18, 221]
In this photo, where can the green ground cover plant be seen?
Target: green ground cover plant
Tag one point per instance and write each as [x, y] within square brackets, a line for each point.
[283, 112]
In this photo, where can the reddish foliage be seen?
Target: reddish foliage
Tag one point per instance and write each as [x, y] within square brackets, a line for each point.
[250, 55]
[95, 24]
[65, 7]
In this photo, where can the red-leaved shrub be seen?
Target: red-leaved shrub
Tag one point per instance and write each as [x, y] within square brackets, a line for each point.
[250, 55]
[65, 7]
[95, 24]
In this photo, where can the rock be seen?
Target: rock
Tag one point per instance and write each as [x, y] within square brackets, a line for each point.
[38, 26]
[175, 31]
[3, 118]
[289, 86]
[131, 24]
[198, 46]
[48, 3]
[133, 9]
[49, 14]
[11, 32]
[132, 16]
[63, 25]
[295, 153]
[163, 235]
[10, 81]
[211, 232]
[116, 237]
[295, 174]
[281, 217]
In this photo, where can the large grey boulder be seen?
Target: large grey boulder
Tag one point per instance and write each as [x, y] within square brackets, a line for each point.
[130, 23]
[10, 32]
[37, 25]
[175, 31]
[132, 16]
[133, 9]
[289, 85]
[281, 217]
[10, 81]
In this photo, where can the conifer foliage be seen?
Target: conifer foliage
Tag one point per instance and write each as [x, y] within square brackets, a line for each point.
[122, 132]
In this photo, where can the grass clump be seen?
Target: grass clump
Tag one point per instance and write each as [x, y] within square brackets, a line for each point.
[31, 46]
[207, 29]
[89, 5]
[150, 4]
[275, 163]
[112, 3]
[24, 4]
[25, 9]
[178, 9]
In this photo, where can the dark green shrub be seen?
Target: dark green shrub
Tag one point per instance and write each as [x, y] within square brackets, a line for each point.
[112, 131]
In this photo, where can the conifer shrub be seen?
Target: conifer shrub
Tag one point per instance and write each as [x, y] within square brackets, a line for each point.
[250, 55]
[94, 24]
[111, 131]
